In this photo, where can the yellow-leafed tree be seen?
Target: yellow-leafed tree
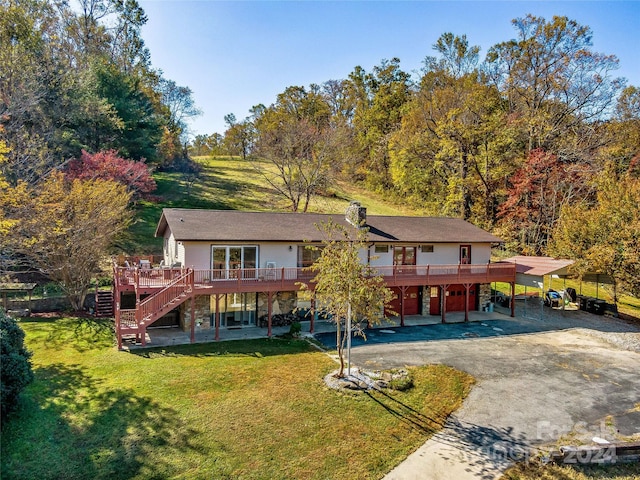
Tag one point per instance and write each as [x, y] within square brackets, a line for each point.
[67, 227]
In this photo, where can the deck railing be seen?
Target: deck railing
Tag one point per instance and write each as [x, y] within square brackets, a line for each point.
[233, 280]
[283, 275]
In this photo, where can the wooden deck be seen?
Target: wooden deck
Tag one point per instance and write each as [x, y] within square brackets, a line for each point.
[167, 288]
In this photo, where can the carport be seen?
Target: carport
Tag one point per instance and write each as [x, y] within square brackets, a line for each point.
[530, 271]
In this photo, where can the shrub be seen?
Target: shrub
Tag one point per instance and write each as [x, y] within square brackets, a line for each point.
[295, 329]
[16, 368]
[401, 383]
[108, 165]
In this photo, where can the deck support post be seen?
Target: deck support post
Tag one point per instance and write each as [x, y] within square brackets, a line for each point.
[143, 335]
[443, 289]
[193, 318]
[403, 291]
[118, 328]
[269, 308]
[217, 317]
[466, 286]
[513, 299]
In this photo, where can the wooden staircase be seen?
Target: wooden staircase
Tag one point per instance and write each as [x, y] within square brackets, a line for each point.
[154, 307]
[104, 303]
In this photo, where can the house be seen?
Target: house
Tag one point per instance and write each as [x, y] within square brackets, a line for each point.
[228, 269]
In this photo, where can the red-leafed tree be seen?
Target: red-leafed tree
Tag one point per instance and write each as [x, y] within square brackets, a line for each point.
[539, 189]
[108, 165]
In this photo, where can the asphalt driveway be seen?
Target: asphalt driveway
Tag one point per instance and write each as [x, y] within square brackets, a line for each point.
[567, 375]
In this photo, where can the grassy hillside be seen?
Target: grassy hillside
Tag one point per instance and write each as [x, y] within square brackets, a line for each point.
[230, 183]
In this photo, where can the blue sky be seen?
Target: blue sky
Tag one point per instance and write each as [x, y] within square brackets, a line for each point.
[236, 54]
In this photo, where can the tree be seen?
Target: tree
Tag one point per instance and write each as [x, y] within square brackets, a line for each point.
[239, 136]
[377, 99]
[539, 190]
[295, 138]
[67, 228]
[16, 372]
[109, 166]
[457, 58]
[12, 201]
[206, 145]
[344, 286]
[552, 78]
[622, 133]
[180, 107]
[454, 146]
[604, 237]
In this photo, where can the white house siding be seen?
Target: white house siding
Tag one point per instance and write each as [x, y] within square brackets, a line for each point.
[279, 254]
[180, 253]
[443, 254]
[481, 253]
[169, 248]
[197, 255]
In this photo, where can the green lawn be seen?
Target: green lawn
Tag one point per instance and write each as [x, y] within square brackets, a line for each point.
[241, 410]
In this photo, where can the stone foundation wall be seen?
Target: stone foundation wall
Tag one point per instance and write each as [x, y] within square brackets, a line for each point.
[426, 300]
[283, 302]
[202, 313]
[484, 295]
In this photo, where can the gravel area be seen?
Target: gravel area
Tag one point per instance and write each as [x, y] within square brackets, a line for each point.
[624, 340]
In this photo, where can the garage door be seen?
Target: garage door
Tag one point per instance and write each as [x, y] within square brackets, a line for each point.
[455, 299]
[411, 301]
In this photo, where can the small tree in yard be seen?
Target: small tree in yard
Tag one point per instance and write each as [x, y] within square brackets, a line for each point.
[344, 286]
[67, 228]
[16, 371]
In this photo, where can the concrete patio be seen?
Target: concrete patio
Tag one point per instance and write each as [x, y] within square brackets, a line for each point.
[163, 337]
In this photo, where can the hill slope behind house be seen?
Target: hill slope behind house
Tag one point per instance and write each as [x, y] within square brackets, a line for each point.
[231, 183]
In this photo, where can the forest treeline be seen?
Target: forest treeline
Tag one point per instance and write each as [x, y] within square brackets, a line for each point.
[81, 78]
[505, 142]
[538, 142]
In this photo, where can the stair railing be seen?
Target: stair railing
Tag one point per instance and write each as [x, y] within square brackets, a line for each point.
[148, 310]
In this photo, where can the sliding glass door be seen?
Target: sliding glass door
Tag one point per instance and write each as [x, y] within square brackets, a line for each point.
[232, 261]
[236, 310]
